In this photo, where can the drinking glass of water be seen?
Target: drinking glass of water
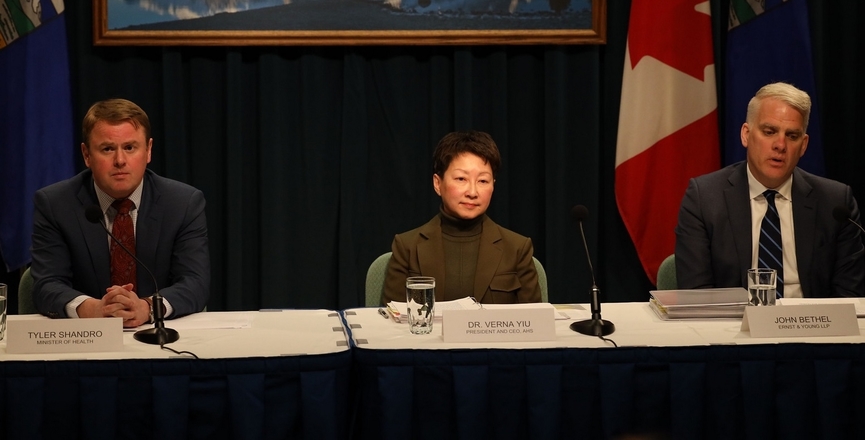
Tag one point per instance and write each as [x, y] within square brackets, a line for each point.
[420, 295]
[761, 286]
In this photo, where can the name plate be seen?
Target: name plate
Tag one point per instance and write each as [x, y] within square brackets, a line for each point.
[64, 335]
[494, 324]
[803, 320]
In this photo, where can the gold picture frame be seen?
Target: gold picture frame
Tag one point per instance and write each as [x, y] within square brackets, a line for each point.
[594, 32]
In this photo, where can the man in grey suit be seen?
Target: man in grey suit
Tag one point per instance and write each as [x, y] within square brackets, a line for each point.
[71, 258]
[717, 238]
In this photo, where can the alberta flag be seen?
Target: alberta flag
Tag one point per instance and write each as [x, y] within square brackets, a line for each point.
[769, 41]
[668, 121]
[36, 131]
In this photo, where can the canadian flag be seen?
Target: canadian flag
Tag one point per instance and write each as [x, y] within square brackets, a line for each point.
[668, 128]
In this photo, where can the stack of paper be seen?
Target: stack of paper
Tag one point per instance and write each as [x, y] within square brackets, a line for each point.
[728, 302]
[398, 310]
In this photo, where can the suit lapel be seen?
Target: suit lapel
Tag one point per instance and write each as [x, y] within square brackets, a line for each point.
[430, 252]
[95, 237]
[804, 224]
[489, 256]
[147, 230]
[739, 207]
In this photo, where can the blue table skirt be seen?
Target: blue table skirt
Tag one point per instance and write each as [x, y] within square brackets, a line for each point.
[784, 391]
[298, 397]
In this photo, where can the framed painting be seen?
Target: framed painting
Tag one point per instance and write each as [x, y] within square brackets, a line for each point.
[347, 22]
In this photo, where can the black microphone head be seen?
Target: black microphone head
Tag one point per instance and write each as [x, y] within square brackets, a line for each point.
[579, 213]
[93, 214]
[841, 213]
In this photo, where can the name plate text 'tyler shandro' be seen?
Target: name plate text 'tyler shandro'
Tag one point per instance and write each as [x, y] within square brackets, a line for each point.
[64, 335]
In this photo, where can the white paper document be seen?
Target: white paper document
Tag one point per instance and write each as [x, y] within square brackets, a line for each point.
[209, 320]
[399, 310]
[559, 315]
[857, 302]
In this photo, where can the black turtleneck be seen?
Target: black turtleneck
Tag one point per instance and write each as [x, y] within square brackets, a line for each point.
[461, 240]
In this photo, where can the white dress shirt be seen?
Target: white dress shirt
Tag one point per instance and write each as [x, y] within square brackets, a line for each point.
[784, 204]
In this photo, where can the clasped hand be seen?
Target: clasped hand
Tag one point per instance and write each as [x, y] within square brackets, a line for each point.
[118, 302]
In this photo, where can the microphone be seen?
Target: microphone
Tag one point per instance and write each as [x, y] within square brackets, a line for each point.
[595, 326]
[842, 214]
[158, 334]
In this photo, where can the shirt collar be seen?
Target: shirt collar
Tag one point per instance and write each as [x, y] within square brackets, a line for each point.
[105, 200]
[756, 189]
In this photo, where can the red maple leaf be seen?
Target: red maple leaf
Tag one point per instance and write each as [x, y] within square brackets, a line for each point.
[673, 32]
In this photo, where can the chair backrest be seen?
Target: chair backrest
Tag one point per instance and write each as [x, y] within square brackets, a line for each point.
[375, 279]
[25, 294]
[376, 273]
[667, 274]
[542, 280]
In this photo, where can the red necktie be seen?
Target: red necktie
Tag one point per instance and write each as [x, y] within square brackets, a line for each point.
[122, 264]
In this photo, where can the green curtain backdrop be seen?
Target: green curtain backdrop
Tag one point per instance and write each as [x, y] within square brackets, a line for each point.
[312, 158]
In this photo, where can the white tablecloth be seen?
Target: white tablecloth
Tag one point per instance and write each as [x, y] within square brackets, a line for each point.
[227, 335]
[636, 326]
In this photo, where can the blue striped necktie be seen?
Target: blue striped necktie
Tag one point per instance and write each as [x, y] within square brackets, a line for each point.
[770, 254]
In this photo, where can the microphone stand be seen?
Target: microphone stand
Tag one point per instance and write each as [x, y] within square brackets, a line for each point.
[158, 335]
[595, 326]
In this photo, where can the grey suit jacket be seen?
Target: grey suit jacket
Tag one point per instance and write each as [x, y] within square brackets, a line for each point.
[505, 272]
[71, 255]
[714, 244]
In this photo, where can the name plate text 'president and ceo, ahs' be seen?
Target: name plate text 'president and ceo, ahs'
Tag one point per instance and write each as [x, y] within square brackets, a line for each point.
[500, 323]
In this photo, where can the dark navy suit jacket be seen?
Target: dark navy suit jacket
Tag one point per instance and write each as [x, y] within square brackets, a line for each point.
[71, 255]
[713, 237]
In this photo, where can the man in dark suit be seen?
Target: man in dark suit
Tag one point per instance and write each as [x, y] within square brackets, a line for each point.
[466, 252]
[721, 216]
[73, 259]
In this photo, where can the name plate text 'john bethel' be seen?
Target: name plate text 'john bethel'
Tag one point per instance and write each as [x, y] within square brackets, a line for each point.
[513, 323]
[801, 320]
[64, 335]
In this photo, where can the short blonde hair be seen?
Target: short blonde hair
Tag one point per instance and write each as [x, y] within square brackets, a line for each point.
[786, 93]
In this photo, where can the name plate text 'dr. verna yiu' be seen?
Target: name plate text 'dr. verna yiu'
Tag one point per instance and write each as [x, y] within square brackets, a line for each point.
[514, 323]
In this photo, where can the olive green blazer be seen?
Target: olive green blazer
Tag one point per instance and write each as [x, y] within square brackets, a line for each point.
[505, 273]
